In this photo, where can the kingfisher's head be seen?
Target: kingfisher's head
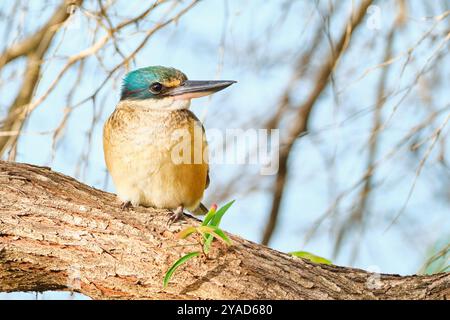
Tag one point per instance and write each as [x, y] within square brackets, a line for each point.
[166, 88]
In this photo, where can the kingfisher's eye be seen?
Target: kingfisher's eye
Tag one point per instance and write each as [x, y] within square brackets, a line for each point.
[156, 88]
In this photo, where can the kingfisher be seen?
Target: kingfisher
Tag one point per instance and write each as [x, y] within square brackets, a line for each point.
[152, 140]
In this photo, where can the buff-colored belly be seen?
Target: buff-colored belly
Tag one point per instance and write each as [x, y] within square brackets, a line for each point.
[160, 183]
[145, 173]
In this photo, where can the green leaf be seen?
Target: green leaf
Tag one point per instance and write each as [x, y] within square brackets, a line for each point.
[445, 269]
[203, 230]
[206, 229]
[206, 221]
[186, 232]
[208, 217]
[223, 236]
[215, 221]
[207, 243]
[309, 256]
[178, 263]
[216, 233]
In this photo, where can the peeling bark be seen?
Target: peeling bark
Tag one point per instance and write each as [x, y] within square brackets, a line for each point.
[59, 234]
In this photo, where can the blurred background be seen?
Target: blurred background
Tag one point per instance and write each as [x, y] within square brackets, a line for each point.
[358, 91]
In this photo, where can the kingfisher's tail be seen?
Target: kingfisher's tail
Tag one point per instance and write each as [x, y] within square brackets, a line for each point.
[201, 210]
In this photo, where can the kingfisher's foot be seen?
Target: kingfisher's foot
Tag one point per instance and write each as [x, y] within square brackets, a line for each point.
[176, 215]
[125, 205]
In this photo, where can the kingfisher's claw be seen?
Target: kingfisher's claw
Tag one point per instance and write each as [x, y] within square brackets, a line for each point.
[176, 215]
[125, 205]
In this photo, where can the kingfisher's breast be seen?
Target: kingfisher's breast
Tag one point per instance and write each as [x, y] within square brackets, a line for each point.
[156, 158]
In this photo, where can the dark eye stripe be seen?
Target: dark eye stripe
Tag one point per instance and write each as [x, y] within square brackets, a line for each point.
[128, 93]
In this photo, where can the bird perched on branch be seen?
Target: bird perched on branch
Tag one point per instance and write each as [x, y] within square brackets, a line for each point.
[155, 148]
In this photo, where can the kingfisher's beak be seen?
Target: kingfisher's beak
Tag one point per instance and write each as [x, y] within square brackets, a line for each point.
[196, 89]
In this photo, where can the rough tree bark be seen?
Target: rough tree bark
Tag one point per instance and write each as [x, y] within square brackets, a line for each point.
[59, 234]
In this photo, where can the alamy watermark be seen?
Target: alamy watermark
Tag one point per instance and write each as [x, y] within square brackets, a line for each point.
[232, 146]
[74, 278]
[374, 280]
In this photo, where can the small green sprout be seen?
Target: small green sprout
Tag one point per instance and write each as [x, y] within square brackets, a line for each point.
[178, 263]
[209, 230]
[309, 256]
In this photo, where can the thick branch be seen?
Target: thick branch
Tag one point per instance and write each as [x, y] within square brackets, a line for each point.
[57, 233]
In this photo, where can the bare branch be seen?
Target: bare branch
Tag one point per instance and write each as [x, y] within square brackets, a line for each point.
[34, 48]
[300, 122]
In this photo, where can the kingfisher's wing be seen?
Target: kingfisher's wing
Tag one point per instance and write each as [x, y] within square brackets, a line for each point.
[207, 180]
[200, 210]
[205, 142]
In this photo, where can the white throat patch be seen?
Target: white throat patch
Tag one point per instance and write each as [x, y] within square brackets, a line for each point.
[167, 103]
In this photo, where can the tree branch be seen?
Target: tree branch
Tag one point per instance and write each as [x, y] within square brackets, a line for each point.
[30, 44]
[57, 233]
[300, 121]
[34, 48]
